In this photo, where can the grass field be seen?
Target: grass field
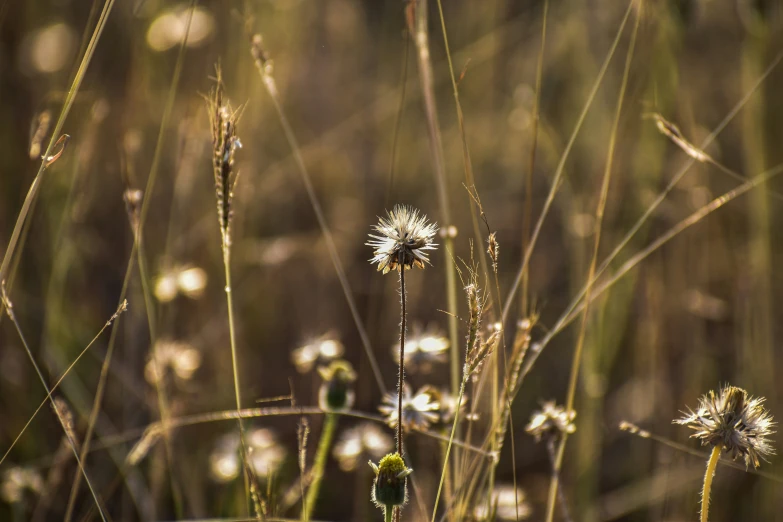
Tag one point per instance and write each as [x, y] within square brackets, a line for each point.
[202, 240]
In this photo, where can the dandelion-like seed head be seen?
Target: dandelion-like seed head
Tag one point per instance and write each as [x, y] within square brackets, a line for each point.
[447, 405]
[366, 439]
[335, 393]
[403, 238]
[419, 411]
[179, 358]
[319, 351]
[265, 455]
[391, 481]
[551, 420]
[736, 421]
[423, 349]
[508, 503]
[18, 480]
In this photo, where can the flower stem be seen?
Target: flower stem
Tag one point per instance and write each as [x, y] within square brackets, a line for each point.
[451, 441]
[327, 435]
[705, 492]
[387, 513]
[400, 384]
[234, 367]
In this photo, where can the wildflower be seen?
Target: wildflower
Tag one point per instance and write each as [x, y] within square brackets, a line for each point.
[322, 350]
[186, 280]
[551, 420]
[733, 420]
[447, 404]
[423, 349]
[508, 503]
[335, 392]
[363, 439]
[390, 487]
[17, 480]
[265, 455]
[404, 236]
[418, 411]
[180, 358]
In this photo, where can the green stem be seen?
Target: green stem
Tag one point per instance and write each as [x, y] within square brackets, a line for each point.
[451, 441]
[327, 435]
[235, 370]
[388, 512]
[712, 463]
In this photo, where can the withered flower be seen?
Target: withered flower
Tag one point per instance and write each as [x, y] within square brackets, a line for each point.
[734, 420]
[403, 237]
[550, 420]
[418, 411]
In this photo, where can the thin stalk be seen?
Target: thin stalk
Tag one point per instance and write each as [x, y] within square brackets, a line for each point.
[56, 385]
[527, 216]
[401, 381]
[448, 448]
[599, 218]
[69, 99]
[575, 305]
[417, 25]
[327, 435]
[271, 87]
[558, 176]
[234, 367]
[550, 447]
[712, 463]
[66, 430]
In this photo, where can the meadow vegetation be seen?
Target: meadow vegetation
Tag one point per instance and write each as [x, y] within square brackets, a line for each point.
[497, 249]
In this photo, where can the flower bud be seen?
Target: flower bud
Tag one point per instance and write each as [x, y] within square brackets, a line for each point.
[336, 391]
[390, 485]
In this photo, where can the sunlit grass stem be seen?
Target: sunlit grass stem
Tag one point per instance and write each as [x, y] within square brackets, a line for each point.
[321, 455]
[708, 476]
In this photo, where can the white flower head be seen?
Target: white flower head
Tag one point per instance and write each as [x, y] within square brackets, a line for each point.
[403, 237]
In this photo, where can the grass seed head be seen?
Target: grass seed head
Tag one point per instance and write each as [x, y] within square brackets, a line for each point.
[225, 142]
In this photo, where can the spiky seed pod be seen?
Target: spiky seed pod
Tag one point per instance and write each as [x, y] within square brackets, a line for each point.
[403, 237]
[735, 420]
[225, 141]
[475, 309]
[335, 393]
[480, 352]
[551, 421]
[493, 249]
[390, 487]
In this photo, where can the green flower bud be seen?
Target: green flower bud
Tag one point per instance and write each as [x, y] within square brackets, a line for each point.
[336, 392]
[390, 485]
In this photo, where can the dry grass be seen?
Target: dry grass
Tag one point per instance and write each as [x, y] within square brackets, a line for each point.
[613, 168]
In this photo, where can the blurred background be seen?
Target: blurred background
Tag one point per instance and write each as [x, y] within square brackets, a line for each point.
[699, 311]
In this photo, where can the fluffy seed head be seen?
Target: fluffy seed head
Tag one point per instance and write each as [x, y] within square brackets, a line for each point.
[551, 420]
[402, 239]
[418, 411]
[735, 420]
